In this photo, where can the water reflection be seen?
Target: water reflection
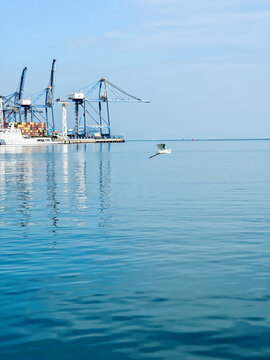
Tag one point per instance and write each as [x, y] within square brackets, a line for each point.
[3, 188]
[52, 193]
[16, 177]
[25, 189]
[22, 171]
[81, 194]
[65, 168]
[35, 179]
[19, 149]
[104, 185]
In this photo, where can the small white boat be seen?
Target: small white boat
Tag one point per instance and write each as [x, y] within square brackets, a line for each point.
[14, 136]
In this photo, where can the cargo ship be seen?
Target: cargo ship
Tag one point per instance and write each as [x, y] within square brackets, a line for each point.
[13, 136]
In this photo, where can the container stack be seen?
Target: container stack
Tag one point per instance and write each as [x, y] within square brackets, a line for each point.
[32, 128]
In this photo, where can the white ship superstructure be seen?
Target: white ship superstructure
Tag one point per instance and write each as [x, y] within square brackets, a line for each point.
[13, 136]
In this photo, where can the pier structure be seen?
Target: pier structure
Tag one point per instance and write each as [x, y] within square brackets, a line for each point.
[116, 139]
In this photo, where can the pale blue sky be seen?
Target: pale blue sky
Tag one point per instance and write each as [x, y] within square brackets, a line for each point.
[204, 64]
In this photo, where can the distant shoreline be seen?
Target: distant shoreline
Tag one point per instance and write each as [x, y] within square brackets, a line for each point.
[243, 139]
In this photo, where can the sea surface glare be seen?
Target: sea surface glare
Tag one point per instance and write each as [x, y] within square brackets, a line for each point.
[106, 254]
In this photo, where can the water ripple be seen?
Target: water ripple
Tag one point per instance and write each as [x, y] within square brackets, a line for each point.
[105, 255]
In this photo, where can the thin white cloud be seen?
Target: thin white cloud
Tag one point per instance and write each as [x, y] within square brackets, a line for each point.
[213, 19]
[204, 3]
[158, 2]
[234, 30]
[249, 30]
[224, 57]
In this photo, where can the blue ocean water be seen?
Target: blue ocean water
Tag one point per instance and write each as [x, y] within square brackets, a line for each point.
[106, 254]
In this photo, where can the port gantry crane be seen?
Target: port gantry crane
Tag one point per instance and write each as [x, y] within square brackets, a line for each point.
[48, 104]
[102, 92]
[15, 103]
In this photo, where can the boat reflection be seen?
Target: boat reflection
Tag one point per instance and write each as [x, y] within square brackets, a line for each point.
[19, 149]
[16, 180]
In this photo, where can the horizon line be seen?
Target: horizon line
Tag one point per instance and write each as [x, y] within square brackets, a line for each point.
[204, 139]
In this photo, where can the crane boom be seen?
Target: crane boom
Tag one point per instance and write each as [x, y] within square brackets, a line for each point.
[49, 89]
[19, 93]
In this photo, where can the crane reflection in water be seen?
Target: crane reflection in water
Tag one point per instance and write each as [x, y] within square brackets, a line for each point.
[81, 193]
[104, 185]
[85, 171]
[52, 199]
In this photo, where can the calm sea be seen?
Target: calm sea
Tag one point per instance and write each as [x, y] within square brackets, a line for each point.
[106, 254]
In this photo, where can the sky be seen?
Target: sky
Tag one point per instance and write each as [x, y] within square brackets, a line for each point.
[203, 64]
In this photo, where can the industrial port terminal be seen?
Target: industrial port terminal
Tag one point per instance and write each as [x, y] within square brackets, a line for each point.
[91, 123]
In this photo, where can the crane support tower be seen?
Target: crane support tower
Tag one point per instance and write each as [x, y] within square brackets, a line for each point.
[79, 99]
[65, 105]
